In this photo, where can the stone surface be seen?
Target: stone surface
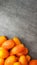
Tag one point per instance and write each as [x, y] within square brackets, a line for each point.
[19, 18]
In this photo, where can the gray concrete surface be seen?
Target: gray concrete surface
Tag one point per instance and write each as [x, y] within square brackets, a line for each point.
[19, 18]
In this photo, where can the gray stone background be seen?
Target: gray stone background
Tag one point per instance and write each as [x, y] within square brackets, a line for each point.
[19, 18]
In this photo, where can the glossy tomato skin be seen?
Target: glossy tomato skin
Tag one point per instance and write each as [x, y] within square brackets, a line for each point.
[33, 62]
[8, 44]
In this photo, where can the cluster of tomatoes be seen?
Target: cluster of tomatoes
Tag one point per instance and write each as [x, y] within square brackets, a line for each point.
[13, 52]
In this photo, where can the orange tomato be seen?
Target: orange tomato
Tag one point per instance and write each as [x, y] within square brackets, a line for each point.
[17, 63]
[33, 62]
[19, 54]
[8, 44]
[16, 40]
[17, 49]
[25, 52]
[10, 60]
[1, 61]
[23, 60]
[3, 53]
[28, 58]
[2, 39]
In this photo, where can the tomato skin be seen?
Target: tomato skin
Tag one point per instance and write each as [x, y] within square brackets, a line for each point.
[17, 63]
[33, 62]
[3, 53]
[23, 60]
[8, 44]
[17, 49]
[1, 61]
[2, 40]
[10, 60]
[16, 40]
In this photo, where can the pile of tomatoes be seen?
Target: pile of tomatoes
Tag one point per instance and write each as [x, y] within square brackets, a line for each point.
[13, 52]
